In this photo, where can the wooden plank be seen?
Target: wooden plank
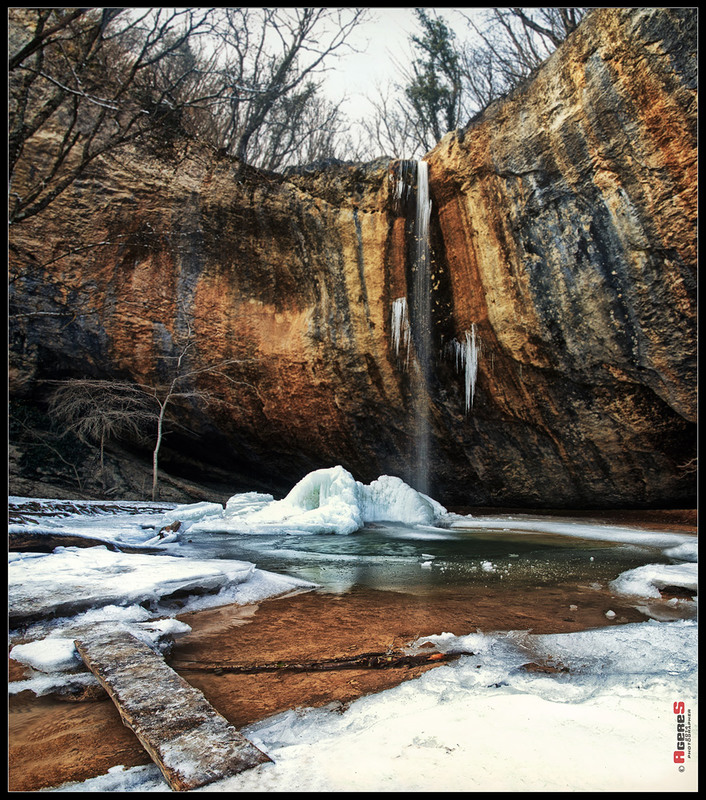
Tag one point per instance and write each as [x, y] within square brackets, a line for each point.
[190, 742]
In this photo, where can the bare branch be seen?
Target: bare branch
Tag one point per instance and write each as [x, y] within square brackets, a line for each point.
[41, 34]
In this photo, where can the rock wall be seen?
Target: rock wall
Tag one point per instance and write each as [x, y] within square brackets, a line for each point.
[563, 235]
[568, 215]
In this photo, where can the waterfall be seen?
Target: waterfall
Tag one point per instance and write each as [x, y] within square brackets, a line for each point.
[411, 326]
[422, 315]
[411, 322]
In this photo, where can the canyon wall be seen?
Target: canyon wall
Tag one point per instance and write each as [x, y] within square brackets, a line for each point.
[562, 238]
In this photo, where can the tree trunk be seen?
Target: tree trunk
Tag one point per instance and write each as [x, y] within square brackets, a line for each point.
[362, 661]
[155, 454]
[102, 463]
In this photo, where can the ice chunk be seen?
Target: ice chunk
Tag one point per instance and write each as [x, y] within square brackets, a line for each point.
[55, 682]
[687, 551]
[324, 501]
[190, 512]
[390, 499]
[54, 654]
[72, 579]
[648, 580]
[193, 511]
[247, 502]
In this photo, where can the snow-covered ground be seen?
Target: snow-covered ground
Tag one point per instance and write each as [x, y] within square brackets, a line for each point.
[605, 718]
[484, 724]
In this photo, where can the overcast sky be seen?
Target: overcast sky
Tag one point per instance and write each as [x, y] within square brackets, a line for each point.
[382, 41]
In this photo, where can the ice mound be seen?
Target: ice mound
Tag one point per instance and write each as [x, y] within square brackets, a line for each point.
[389, 499]
[324, 501]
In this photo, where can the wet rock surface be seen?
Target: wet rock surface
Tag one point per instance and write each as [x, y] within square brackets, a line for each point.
[563, 230]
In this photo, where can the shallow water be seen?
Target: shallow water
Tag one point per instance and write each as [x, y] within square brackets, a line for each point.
[383, 587]
[426, 560]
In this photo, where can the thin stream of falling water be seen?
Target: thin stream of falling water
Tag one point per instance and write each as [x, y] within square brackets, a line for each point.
[411, 323]
[422, 314]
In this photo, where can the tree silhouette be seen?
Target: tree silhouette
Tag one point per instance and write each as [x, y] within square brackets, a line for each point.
[100, 410]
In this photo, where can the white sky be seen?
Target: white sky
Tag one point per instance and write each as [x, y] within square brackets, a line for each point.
[382, 41]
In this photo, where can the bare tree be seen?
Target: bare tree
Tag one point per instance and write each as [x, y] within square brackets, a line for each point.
[83, 82]
[389, 128]
[303, 127]
[512, 43]
[181, 385]
[267, 55]
[99, 410]
[451, 79]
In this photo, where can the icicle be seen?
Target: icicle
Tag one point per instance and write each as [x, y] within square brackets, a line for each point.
[467, 353]
[400, 326]
[472, 351]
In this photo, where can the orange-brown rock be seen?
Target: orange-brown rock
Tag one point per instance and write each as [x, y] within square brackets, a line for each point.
[563, 229]
[568, 217]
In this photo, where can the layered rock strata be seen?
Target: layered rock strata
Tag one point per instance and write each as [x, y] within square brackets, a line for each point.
[562, 239]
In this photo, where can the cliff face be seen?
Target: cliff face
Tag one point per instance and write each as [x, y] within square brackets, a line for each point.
[563, 240]
[568, 215]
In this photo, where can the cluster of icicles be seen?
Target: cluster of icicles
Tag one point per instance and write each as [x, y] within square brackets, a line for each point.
[466, 352]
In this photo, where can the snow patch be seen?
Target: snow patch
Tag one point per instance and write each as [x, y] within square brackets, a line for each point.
[482, 723]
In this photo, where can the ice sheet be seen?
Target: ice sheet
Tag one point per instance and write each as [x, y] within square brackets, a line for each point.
[647, 581]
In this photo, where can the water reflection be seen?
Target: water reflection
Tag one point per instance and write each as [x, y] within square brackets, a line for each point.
[426, 559]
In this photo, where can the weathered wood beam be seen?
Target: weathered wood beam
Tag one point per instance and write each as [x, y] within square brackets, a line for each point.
[191, 743]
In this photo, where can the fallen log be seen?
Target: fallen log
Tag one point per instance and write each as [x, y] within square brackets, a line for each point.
[362, 661]
[190, 742]
[44, 541]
